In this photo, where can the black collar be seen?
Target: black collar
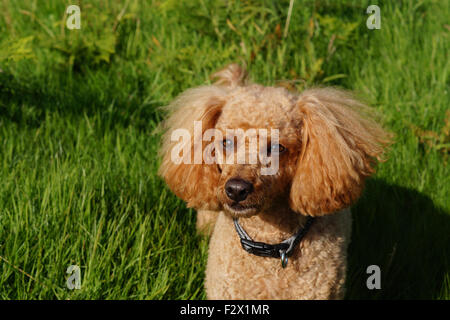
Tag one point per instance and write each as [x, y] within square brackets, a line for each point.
[280, 250]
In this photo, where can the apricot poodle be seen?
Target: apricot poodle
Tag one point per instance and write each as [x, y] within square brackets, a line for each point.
[282, 234]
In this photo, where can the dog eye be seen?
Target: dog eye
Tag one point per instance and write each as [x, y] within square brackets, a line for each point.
[275, 149]
[228, 144]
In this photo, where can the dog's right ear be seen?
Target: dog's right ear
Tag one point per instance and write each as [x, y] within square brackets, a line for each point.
[191, 180]
[340, 146]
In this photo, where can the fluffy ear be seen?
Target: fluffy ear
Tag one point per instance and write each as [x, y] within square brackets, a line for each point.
[194, 182]
[340, 146]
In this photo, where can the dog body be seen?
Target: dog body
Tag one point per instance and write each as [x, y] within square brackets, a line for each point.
[321, 147]
[316, 269]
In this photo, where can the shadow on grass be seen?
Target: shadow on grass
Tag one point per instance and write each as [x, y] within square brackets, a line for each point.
[407, 236]
[28, 102]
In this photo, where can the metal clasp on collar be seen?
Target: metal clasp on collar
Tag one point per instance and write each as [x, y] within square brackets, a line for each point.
[284, 258]
[281, 250]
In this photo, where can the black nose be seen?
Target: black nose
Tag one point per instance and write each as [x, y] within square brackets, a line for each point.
[238, 189]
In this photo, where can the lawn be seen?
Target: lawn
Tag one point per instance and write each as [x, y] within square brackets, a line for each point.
[79, 115]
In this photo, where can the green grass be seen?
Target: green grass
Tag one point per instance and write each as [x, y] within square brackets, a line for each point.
[78, 148]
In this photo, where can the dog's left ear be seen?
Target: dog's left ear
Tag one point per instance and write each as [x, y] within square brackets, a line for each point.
[194, 182]
[339, 149]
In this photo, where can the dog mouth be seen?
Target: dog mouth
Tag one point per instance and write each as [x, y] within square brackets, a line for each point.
[238, 209]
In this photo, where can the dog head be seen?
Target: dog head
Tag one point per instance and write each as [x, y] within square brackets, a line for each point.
[247, 148]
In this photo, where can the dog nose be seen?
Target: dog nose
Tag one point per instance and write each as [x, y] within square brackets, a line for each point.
[238, 189]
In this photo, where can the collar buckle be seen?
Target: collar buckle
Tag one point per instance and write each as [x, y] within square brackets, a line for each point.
[280, 250]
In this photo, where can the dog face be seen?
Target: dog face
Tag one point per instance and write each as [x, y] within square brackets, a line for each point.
[324, 148]
[252, 114]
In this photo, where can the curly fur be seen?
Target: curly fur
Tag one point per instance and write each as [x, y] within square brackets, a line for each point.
[331, 147]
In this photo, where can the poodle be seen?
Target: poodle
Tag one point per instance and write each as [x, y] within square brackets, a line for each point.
[282, 234]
